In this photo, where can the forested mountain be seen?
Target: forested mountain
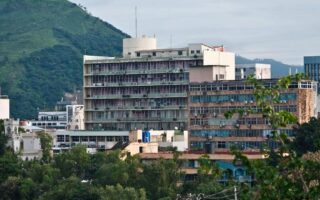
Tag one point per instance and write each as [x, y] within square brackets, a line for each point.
[41, 47]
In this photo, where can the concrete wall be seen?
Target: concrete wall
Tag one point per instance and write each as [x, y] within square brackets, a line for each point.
[4, 108]
[131, 45]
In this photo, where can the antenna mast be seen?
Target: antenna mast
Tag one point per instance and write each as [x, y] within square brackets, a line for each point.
[136, 21]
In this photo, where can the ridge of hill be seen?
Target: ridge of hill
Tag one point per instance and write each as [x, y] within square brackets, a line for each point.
[41, 48]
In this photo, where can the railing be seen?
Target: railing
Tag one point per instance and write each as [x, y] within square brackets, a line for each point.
[128, 84]
[132, 96]
[173, 107]
[127, 72]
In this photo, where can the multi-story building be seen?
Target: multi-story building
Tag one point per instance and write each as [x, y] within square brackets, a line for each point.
[312, 68]
[258, 70]
[51, 120]
[4, 106]
[147, 87]
[209, 129]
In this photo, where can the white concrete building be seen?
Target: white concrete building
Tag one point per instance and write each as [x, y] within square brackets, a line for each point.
[147, 87]
[4, 107]
[25, 142]
[51, 120]
[260, 71]
[75, 117]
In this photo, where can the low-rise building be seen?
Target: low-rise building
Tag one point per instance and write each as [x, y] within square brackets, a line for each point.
[63, 140]
[258, 70]
[23, 139]
[51, 120]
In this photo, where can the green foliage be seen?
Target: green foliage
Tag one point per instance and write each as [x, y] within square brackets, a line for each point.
[3, 138]
[41, 48]
[307, 137]
[282, 175]
[46, 146]
[118, 192]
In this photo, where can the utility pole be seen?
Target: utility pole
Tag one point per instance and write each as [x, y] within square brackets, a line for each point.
[235, 193]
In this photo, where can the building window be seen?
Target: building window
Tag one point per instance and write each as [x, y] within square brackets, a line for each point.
[60, 138]
[154, 54]
[138, 54]
[180, 53]
[222, 145]
[198, 51]
[192, 51]
[221, 76]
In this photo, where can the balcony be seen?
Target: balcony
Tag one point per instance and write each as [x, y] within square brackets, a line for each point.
[132, 72]
[135, 84]
[134, 96]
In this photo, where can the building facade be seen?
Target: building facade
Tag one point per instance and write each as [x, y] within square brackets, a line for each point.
[51, 120]
[147, 87]
[258, 70]
[209, 129]
[312, 68]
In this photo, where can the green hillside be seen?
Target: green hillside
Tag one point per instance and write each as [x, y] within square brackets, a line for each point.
[41, 47]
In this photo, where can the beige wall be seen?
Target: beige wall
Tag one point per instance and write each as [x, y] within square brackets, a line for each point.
[131, 45]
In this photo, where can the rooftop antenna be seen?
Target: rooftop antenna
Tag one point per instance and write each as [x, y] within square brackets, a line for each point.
[136, 21]
[170, 41]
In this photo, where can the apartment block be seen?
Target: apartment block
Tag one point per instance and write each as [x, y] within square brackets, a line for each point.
[258, 70]
[147, 87]
[210, 131]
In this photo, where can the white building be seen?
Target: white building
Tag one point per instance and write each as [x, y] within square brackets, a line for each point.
[4, 107]
[63, 140]
[75, 117]
[25, 142]
[260, 71]
[51, 120]
[157, 140]
[147, 87]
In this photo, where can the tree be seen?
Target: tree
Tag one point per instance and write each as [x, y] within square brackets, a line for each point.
[3, 138]
[46, 146]
[282, 175]
[307, 137]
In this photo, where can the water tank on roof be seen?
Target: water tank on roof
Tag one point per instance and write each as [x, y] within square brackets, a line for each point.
[145, 136]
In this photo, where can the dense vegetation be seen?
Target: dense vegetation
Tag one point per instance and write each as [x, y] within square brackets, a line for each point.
[41, 48]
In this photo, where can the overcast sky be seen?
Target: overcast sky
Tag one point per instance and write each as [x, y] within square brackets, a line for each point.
[284, 30]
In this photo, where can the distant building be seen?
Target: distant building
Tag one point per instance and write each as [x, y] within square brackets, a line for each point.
[211, 132]
[147, 87]
[4, 106]
[166, 140]
[23, 139]
[75, 117]
[94, 141]
[312, 68]
[260, 71]
[51, 120]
